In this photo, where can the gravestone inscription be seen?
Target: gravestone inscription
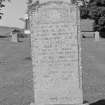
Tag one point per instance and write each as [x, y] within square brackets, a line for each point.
[56, 54]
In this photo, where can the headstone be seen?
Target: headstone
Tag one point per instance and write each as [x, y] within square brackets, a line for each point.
[14, 37]
[56, 50]
[97, 36]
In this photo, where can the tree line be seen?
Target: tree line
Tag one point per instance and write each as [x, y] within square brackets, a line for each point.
[95, 10]
[1, 6]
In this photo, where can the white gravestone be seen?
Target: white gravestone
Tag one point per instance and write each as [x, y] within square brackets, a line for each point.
[97, 36]
[14, 37]
[56, 57]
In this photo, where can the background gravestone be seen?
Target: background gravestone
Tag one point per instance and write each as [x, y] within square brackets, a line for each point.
[14, 37]
[56, 57]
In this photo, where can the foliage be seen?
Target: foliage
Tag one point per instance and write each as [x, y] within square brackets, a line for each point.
[84, 12]
[1, 6]
[97, 12]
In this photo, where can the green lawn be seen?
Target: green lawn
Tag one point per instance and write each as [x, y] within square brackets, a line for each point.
[93, 61]
[16, 85]
[15, 74]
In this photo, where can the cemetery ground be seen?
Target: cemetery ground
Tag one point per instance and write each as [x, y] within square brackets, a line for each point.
[16, 84]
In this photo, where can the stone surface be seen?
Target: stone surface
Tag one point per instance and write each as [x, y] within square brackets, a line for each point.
[44, 1]
[14, 37]
[56, 54]
[97, 36]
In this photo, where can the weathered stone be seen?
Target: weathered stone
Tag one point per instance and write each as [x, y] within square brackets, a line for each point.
[14, 37]
[97, 36]
[56, 54]
[43, 1]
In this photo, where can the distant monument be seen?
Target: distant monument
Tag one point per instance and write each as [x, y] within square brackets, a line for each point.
[97, 36]
[14, 36]
[56, 53]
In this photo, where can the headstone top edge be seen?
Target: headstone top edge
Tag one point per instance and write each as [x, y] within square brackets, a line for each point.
[44, 1]
[34, 6]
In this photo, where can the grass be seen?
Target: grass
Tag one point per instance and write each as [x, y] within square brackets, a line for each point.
[93, 61]
[16, 85]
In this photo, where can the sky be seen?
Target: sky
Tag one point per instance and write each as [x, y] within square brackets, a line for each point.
[12, 12]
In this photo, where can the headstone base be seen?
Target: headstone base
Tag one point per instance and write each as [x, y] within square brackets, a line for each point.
[66, 104]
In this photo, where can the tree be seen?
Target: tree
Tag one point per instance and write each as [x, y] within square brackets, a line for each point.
[97, 12]
[1, 6]
[84, 12]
